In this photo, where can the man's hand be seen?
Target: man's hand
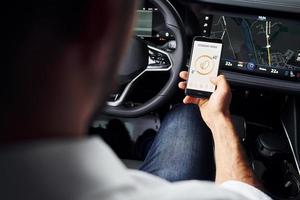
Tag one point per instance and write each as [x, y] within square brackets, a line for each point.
[214, 107]
[231, 163]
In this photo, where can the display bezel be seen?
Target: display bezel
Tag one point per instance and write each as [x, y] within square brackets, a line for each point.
[200, 93]
[240, 79]
[207, 9]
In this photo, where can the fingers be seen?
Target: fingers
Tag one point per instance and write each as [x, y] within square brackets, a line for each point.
[189, 100]
[192, 100]
[182, 85]
[184, 75]
[202, 101]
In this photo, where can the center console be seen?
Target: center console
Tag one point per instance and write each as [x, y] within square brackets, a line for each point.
[261, 57]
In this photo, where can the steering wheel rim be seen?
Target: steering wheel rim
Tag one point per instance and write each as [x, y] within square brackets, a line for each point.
[177, 59]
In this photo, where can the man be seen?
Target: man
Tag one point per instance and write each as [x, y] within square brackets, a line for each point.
[60, 63]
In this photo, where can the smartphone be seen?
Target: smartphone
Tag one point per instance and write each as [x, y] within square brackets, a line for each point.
[204, 64]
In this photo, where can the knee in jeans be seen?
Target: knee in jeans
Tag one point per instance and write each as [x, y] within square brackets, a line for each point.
[183, 121]
[185, 110]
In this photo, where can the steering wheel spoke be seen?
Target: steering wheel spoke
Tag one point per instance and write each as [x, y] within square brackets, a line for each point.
[159, 60]
[119, 97]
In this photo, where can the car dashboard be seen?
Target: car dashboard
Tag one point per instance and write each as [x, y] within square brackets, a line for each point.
[261, 46]
[260, 38]
[260, 58]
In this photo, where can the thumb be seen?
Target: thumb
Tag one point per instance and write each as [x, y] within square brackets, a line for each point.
[214, 80]
[220, 81]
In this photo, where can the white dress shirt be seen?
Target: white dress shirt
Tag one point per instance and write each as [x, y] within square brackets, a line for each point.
[89, 170]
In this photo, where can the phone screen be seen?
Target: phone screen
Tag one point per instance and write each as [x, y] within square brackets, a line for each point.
[204, 64]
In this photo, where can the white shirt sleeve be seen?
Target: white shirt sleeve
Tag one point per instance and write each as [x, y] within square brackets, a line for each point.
[246, 190]
[192, 190]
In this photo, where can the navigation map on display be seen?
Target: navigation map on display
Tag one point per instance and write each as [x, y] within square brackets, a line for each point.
[261, 44]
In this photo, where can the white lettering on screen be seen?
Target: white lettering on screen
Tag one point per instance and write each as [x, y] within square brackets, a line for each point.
[205, 45]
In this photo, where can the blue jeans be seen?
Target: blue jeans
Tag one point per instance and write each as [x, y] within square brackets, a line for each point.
[183, 147]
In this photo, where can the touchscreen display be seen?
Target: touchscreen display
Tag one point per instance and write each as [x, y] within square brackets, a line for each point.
[261, 45]
[204, 65]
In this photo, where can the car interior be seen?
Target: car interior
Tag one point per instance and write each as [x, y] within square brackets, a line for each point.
[260, 59]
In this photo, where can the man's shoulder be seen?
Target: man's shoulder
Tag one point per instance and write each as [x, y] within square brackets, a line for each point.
[54, 169]
[88, 169]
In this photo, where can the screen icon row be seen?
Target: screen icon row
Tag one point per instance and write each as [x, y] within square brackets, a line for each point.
[250, 67]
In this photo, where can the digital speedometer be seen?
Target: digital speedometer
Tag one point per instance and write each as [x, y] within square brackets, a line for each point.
[151, 27]
[144, 26]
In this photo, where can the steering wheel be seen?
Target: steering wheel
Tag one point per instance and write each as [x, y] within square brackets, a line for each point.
[135, 64]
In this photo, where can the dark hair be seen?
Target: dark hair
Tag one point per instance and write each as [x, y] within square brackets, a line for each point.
[21, 17]
[23, 22]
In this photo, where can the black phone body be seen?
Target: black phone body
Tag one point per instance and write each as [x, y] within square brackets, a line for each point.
[204, 65]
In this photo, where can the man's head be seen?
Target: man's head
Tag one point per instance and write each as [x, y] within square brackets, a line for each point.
[60, 59]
